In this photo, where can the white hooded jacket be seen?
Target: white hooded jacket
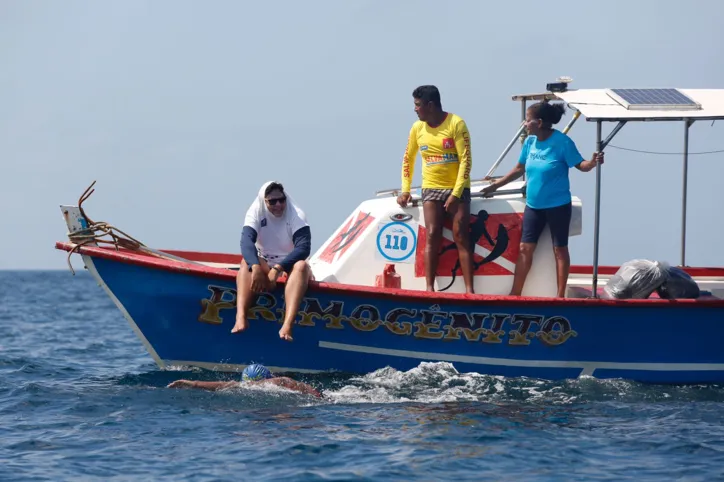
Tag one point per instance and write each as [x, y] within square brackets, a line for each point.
[275, 235]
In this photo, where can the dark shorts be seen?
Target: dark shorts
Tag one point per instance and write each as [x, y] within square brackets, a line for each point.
[557, 218]
[441, 195]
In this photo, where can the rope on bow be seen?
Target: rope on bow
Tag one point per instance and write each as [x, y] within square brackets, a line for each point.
[98, 232]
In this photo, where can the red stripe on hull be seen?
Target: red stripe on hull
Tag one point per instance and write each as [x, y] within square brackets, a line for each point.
[223, 258]
[135, 258]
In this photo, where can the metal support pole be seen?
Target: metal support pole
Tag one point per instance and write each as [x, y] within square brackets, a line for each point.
[613, 133]
[597, 219]
[523, 108]
[573, 121]
[687, 123]
[506, 151]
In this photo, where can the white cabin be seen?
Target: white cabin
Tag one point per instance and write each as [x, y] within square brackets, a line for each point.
[380, 232]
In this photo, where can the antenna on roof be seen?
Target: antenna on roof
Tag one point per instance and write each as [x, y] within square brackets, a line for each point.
[560, 85]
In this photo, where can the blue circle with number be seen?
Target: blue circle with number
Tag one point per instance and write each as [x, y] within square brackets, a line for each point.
[396, 241]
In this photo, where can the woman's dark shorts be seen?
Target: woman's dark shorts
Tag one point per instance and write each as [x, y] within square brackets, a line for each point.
[558, 219]
[441, 195]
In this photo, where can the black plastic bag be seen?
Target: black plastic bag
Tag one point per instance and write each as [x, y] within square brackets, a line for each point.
[678, 285]
[637, 279]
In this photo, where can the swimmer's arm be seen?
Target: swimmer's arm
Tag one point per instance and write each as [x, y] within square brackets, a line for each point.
[462, 145]
[201, 385]
[294, 385]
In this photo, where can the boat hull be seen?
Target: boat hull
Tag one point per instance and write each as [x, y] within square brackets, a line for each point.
[184, 317]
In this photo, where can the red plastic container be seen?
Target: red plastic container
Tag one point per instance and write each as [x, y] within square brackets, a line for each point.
[389, 278]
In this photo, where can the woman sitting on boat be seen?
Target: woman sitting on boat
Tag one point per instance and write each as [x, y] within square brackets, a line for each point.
[546, 158]
[275, 240]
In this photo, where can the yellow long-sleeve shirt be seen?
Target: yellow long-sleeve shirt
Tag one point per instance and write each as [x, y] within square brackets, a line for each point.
[446, 155]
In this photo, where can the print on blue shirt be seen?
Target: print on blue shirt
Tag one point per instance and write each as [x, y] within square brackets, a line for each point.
[546, 167]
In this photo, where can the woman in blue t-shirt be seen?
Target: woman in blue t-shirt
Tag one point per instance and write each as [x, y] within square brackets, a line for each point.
[546, 157]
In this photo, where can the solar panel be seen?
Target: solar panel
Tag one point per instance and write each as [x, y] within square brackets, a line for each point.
[653, 99]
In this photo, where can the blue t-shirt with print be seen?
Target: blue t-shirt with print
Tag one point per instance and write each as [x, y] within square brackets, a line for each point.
[546, 167]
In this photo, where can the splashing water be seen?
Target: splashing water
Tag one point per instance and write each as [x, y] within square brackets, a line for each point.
[80, 398]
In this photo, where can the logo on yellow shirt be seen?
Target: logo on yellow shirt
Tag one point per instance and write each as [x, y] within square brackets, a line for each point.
[443, 159]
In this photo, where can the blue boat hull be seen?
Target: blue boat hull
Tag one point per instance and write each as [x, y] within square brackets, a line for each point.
[185, 319]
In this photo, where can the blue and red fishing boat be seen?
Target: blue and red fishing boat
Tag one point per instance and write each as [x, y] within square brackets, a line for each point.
[182, 304]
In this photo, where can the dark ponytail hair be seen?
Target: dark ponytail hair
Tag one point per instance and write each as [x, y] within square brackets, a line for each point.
[550, 114]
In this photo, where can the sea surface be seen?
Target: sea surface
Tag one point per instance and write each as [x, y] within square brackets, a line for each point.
[80, 399]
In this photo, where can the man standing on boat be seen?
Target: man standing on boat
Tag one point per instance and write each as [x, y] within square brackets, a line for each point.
[444, 144]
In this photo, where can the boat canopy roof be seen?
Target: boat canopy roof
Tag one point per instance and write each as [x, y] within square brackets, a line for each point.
[640, 104]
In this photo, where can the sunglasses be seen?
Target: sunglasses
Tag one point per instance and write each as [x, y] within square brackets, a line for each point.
[274, 201]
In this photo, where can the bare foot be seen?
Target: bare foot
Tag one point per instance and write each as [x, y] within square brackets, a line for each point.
[240, 325]
[286, 334]
[430, 288]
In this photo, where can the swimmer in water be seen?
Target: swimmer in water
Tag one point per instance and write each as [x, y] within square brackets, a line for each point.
[252, 374]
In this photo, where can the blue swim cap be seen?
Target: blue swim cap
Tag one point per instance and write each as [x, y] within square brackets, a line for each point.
[255, 372]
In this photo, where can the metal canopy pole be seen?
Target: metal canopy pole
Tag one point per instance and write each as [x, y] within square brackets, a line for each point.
[687, 124]
[610, 137]
[597, 219]
[573, 121]
[600, 146]
[505, 151]
[523, 108]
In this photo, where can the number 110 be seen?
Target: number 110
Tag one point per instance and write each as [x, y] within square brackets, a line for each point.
[400, 242]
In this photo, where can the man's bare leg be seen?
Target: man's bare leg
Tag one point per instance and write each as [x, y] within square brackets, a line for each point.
[244, 295]
[294, 291]
[461, 235]
[434, 217]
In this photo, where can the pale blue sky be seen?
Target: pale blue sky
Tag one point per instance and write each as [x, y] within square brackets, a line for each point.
[181, 110]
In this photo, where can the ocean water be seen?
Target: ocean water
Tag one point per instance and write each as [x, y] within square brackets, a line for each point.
[80, 399]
